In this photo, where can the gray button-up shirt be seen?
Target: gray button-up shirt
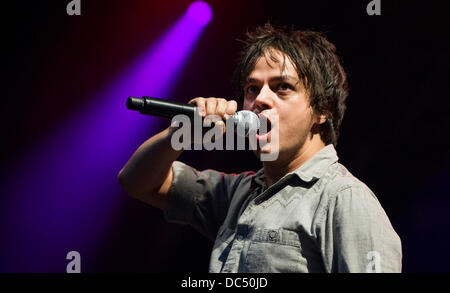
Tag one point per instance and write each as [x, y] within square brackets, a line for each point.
[319, 218]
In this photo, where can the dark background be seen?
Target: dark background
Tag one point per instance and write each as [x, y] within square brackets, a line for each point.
[394, 135]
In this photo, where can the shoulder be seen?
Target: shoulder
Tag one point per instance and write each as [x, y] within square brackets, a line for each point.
[344, 195]
[343, 184]
[342, 179]
[348, 199]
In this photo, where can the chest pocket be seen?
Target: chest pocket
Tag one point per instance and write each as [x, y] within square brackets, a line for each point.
[274, 250]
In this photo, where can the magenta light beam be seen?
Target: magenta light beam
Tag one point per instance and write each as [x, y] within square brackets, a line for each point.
[64, 192]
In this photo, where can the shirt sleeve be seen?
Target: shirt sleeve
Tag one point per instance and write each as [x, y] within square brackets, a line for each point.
[200, 198]
[359, 237]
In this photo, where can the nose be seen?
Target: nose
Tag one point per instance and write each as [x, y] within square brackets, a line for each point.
[264, 100]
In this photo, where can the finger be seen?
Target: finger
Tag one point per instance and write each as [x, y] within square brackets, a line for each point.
[220, 124]
[209, 119]
[211, 104]
[201, 105]
[231, 108]
[221, 107]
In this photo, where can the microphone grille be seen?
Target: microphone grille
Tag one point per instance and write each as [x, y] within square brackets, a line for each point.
[247, 120]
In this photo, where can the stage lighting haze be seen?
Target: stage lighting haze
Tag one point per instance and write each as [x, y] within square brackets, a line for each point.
[200, 12]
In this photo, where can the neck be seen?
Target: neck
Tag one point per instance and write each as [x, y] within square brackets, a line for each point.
[275, 170]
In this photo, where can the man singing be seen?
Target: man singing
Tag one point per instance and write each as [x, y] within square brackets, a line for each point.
[303, 211]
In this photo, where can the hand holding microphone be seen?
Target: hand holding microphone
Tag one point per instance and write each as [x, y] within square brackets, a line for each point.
[217, 110]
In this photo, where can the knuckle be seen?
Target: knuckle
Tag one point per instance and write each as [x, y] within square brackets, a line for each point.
[231, 106]
[221, 107]
[211, 106]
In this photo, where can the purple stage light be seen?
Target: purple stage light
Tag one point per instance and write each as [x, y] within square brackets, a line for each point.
[63, 194]
[200, 12]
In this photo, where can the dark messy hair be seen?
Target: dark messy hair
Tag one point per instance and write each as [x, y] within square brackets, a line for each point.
[317, 66]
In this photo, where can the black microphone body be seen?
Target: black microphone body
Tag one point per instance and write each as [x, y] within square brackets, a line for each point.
[160, 107]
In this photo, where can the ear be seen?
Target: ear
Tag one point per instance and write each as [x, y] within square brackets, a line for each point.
[321, 118]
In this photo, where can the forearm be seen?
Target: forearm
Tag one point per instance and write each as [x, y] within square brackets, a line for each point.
[149, 166]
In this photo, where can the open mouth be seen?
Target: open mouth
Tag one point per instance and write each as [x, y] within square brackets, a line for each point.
[265, 126]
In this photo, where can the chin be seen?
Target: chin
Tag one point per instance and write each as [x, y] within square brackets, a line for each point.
[266, 154]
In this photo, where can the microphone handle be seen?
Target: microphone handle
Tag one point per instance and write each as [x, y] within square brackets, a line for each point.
[160, 107]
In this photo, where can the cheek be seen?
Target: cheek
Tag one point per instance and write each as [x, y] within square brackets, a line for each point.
[246, 105]
[298, 124]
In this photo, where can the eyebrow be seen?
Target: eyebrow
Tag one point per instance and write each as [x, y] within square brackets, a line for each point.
[276, 78]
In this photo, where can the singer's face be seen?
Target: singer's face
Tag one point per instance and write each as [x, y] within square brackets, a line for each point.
[273, 89]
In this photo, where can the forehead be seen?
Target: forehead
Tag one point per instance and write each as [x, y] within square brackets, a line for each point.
[272, 63]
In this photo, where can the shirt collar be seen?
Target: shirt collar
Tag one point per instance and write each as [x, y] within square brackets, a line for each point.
[258, 179]
[318, 164]
[312, 169]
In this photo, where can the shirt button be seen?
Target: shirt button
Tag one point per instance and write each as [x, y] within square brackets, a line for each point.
[273, 235]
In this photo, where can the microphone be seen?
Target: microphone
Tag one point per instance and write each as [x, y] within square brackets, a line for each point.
[163, 108]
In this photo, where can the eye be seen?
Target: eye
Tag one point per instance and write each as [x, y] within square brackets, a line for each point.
[285, 87]
[252, 90]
